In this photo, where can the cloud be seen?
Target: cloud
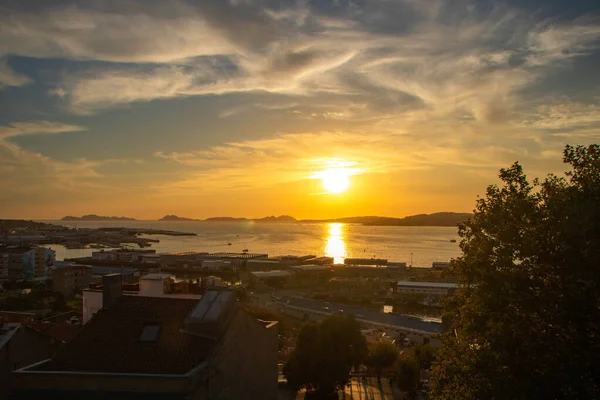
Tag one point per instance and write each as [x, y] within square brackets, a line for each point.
[471, 63]
[36, 128]
[144, 34]
[571, 118]
[8, 77]
[551, 43]
[27, 167]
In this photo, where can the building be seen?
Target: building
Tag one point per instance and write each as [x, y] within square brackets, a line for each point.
[21, 262]
[155, 285]
[393, 324]
[365, 261]
[263, 265]
[429, 288]
[266, 279]
[71, 279]
[354, 286]
[440, 265]
[149, 258]
[122, 255]
[4, 261]
[311, 274]
[139, 347]
[368, 271]
[44, 260]
[21, 345]
[24, 262]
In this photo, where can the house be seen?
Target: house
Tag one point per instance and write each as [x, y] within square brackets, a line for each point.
[141, 347]
[21, 345]
[71, 279]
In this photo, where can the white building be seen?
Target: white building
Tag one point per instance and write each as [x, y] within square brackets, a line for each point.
[431, 288]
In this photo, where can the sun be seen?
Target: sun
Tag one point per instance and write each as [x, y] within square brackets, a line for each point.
[335, 180]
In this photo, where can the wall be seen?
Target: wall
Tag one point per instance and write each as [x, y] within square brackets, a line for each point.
[245, 366]
[92, 302]
[152, 287]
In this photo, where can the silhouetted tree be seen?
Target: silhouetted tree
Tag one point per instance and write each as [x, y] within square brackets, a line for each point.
[527, 316]
[382, 355]
[325, 354]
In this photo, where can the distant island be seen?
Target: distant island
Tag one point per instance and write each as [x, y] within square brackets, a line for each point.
[436, 219]
[175, 218]
[94, 217]
[272, 218]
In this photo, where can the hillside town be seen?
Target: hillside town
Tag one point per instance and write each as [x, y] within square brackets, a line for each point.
[54, 311]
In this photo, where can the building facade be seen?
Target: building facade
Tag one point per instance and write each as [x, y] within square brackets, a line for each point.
[71, 279]
[44, 260]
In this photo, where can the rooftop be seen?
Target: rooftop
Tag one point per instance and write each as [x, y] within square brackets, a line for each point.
[365, 314]
[236, 255]
[155, 277]
[7, 330]
[444, 285]
[15, 250]
[271, 274]
[310, 267]
[112, 340]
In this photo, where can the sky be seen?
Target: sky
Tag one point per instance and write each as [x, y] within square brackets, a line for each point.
[241, 107]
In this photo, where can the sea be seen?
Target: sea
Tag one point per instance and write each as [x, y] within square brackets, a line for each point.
[416, 245]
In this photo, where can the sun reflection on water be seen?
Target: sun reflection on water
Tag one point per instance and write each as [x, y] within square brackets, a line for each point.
[335, 246]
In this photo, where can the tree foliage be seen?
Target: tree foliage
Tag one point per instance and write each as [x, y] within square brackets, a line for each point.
[526, 318]
[382, 355]
[424, 354]
[408, 374]
[326, 353]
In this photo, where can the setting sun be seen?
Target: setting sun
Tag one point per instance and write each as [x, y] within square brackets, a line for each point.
[335, 180]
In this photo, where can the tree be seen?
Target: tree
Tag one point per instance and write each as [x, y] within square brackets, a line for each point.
[325, 354]
[408, 375]
[424, 354]
[526, 317]
[382, 355]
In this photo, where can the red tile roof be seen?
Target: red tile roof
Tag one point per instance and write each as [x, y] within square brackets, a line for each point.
[110, 342]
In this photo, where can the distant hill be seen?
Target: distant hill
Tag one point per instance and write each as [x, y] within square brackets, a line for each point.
[94, 217]
[172, 218]
[272, 219]
[436, 219]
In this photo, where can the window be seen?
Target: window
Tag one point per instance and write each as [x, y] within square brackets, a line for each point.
[150, 333]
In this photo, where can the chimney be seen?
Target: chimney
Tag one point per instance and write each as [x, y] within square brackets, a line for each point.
[112, 290]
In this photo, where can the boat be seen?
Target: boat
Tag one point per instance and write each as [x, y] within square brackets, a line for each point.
[228, 244]
[452, 240]
[245, 250]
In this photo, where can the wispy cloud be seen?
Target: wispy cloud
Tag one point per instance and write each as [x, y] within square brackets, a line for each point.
[8, 77]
